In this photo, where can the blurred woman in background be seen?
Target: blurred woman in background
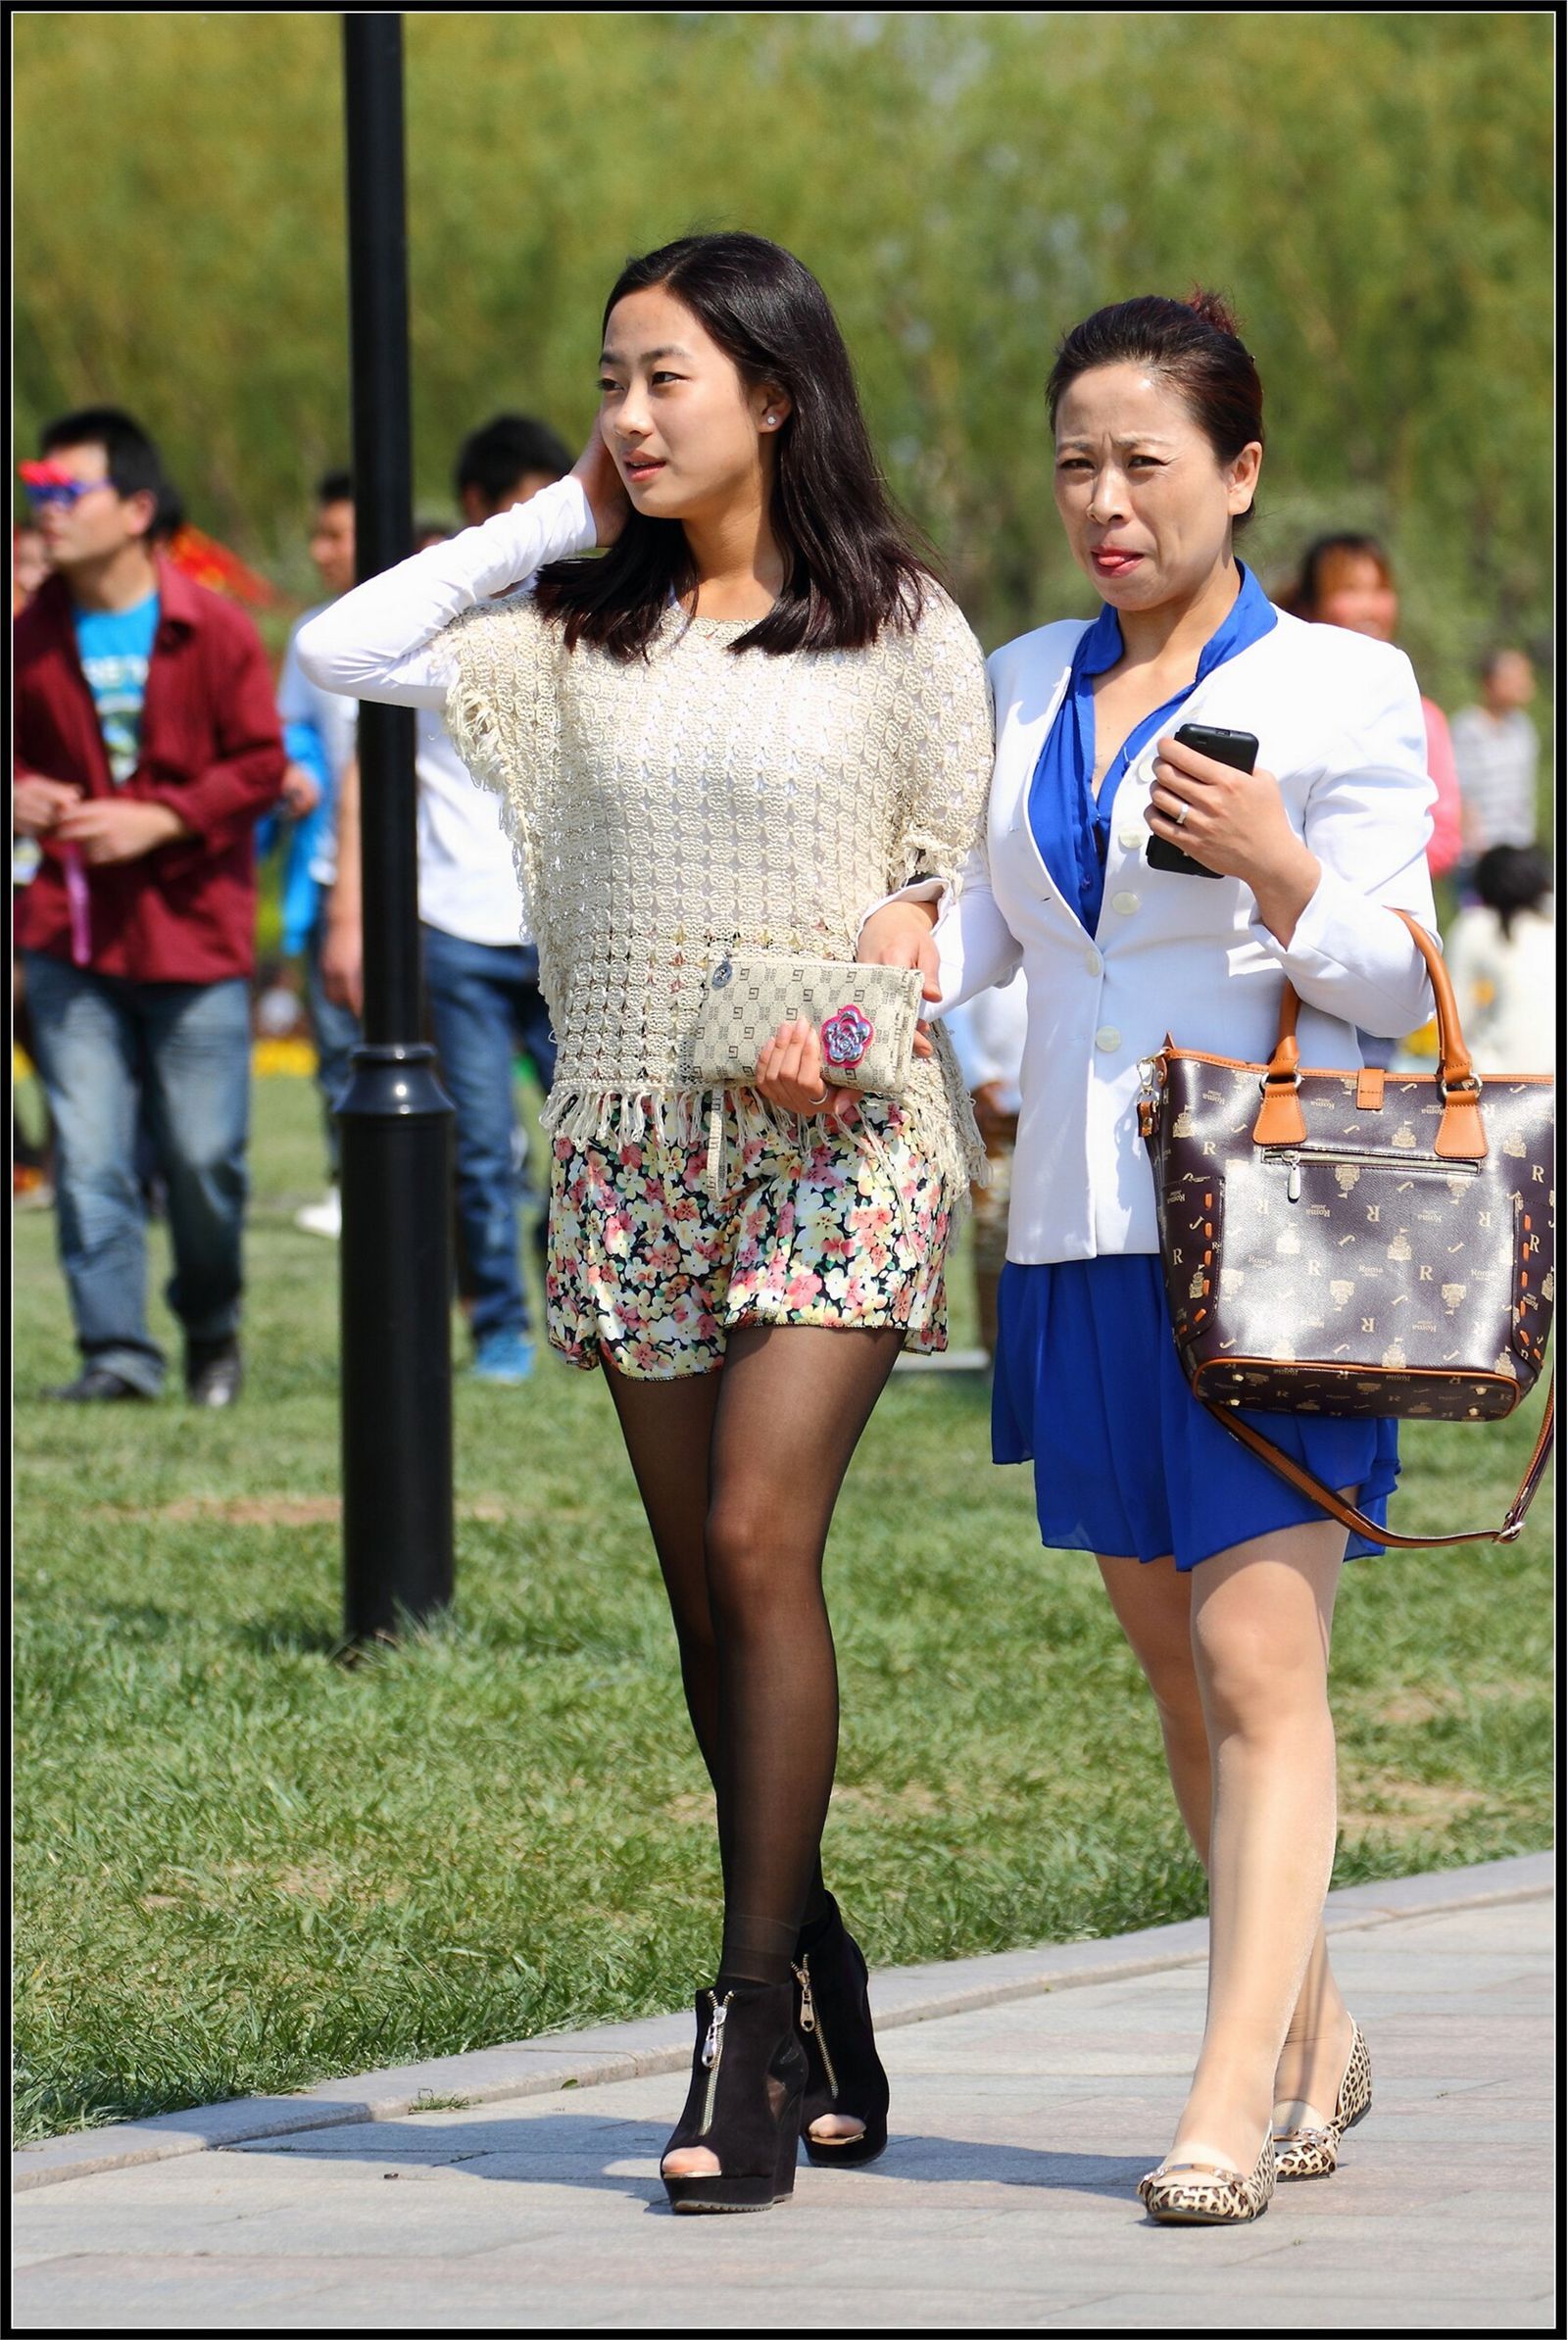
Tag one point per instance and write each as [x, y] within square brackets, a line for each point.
[1348, 580]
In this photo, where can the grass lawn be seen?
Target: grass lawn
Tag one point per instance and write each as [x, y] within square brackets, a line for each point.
[241, 1867]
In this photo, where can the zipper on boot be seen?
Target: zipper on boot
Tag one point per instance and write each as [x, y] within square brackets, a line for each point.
[812, 2021]
[712, 2050]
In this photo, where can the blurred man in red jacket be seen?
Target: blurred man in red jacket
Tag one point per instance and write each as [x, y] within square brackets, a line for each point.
[146, 746]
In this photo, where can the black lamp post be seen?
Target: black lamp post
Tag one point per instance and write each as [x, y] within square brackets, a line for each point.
[395, 1120]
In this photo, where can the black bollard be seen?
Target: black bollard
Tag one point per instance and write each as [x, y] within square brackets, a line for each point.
[395, 1120]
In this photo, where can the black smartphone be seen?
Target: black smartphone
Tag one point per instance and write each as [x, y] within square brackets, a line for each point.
[1238, 749]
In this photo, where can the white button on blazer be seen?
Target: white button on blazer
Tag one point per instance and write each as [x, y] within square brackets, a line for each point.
[1339, 722]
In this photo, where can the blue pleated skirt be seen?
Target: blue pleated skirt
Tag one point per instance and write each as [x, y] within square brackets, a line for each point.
[1089, 1387]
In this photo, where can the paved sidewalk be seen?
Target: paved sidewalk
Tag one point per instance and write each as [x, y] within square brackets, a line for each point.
[1004, 2203]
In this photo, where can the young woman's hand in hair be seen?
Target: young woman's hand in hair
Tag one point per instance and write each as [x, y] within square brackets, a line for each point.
[790, 1074]
[900, 935]
[1236, 823]
[603, 488]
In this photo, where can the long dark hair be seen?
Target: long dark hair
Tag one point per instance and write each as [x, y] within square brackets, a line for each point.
[849, 562]
[1196, 342]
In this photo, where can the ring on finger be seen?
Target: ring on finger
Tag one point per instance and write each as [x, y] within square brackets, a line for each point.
[1179, 817]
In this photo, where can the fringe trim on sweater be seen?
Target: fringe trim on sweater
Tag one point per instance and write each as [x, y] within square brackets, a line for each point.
[682, 1117]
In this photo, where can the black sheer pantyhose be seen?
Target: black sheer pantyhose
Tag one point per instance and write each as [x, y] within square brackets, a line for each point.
[739, 1471]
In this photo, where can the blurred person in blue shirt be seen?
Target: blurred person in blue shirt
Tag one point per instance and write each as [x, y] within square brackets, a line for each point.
[318, 736]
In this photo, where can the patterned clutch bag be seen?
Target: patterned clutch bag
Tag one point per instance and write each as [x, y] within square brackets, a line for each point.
[866, 1018]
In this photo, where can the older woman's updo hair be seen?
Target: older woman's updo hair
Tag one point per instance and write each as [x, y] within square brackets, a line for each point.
[1195, 342]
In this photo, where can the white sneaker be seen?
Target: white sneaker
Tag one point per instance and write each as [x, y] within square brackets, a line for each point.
[322, 1218]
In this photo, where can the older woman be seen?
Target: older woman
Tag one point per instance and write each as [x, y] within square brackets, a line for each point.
[1221, 1575]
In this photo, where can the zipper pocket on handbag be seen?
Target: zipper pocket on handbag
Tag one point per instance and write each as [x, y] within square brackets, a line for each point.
[810, 2020]
[1291, 1158]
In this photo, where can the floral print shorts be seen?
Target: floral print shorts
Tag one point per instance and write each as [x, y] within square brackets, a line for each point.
[648, 1262]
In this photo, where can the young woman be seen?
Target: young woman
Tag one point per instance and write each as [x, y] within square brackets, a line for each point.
[1221, 1576]
[741, 728]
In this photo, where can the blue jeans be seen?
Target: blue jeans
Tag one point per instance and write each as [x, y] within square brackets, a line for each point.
[485, 1002]
[335, 1030]
[109, 1051]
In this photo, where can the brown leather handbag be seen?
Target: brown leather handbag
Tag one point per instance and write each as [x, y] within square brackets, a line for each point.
[1356, 1242]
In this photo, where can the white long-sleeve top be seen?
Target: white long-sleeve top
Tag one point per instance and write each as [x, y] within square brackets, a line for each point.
[1338, 720]
[671, 811]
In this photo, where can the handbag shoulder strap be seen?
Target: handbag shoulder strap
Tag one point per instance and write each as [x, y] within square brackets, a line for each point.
[1334, 1504]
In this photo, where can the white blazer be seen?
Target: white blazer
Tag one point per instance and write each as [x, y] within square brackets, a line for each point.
[1338, 720]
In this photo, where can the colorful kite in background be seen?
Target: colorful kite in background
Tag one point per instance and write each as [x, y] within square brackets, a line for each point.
[214, 565]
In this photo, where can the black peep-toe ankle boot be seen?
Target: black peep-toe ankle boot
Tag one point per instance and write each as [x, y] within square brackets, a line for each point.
[744, 2104]
[833, 2017]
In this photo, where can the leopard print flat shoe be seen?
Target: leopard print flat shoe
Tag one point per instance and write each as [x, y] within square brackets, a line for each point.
[1314, 2152]
[1197, 2194]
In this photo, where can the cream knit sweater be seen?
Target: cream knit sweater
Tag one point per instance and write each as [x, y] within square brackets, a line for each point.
[663, 812]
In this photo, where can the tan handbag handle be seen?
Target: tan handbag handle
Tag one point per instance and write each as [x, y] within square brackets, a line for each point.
[1330, 1500]
[1460, 1134]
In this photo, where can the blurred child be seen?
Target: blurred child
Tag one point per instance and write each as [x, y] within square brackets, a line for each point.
[29, 564]
[1501, 956]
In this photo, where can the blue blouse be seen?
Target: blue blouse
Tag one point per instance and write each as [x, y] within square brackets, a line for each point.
[1072, 826]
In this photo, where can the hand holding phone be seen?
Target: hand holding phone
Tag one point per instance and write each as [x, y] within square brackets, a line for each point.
[1238, 749]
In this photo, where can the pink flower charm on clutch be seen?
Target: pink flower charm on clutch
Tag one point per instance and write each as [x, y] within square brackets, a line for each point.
[846, 1036]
